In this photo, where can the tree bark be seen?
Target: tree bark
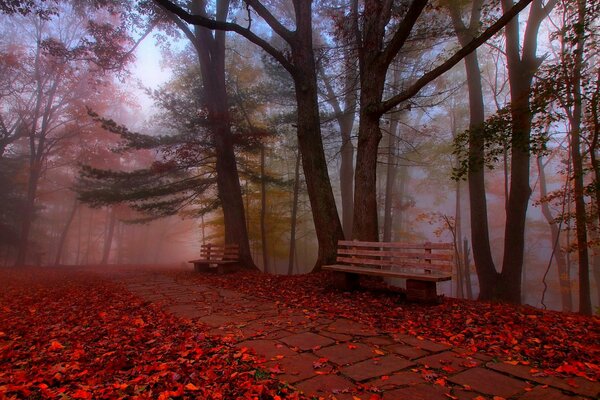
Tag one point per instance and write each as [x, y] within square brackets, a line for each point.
[390, 179]
[263, 209]
[326, 219]
[294, 216]
[585, 303]
[211, 55]
[559, 255]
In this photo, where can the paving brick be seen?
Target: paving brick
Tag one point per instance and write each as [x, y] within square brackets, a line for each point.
[352, 328]
[424, 344]
[379, 340]
[449, 361]
[338, 337]
[489, 382]
[547, 393]
[307, 341]
[268, 348]
[341, 354]
[295, 368]
[407, 351]
[402, 378]
[324, 385]
[418, 392]
[188, 311]
[575, 385]
[216, 320]
[376, 367]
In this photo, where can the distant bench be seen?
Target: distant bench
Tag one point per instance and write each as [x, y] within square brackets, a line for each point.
[219, 257]
[422, 265]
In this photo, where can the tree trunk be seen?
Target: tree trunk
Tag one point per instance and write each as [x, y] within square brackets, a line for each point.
[482, 254]
[294, 216]
[108, 238]
[28, 214]
[559, 255]
[390, 182]
[263, 209]
[211, 54]
[65, 231]
[325, 216]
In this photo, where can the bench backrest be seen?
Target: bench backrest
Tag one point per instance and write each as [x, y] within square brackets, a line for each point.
[426, 257]
[220, 252]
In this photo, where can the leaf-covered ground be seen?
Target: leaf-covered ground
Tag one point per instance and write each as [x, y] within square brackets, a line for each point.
[67, 334]
[560, 343]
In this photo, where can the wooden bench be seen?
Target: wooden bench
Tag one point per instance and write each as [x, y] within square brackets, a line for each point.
[219, 257]
[422, 265]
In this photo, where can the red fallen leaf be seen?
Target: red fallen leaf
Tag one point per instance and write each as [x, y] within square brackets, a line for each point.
[378, 352]
[322, 372]
[448, 368]
[102, 314]
[276, 369]
[440, 381]
[352, 346]
[469, 364]
[375, 397]
[55, 345]
[385, 378]
[81, 394]
[320, 363]
[191, 387]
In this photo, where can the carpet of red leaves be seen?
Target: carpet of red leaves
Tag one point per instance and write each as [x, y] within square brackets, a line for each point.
[67, 334]
[560, 343]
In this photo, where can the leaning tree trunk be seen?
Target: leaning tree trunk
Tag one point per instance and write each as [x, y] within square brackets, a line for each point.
[65, 232]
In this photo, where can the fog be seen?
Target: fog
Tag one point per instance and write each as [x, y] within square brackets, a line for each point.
[117, 149]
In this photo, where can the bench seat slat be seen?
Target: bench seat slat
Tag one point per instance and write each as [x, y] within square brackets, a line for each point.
[394, 263]
[396, 254]
[433, 277]
[397, 245]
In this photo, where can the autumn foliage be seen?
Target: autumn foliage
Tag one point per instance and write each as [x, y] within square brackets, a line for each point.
[64, 333]
[562, 344]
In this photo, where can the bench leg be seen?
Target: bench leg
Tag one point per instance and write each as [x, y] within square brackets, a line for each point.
[424, 291]
[201, 267]
[345, 281]
[226, 268]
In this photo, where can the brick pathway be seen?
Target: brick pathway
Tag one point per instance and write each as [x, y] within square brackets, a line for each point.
[330, 357]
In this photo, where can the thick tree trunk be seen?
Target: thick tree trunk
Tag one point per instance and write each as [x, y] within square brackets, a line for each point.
[211, 55]
[294, 216]
[325, 216]
[346, 123]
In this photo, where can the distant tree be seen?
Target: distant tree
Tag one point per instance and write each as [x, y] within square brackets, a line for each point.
[58, 72]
